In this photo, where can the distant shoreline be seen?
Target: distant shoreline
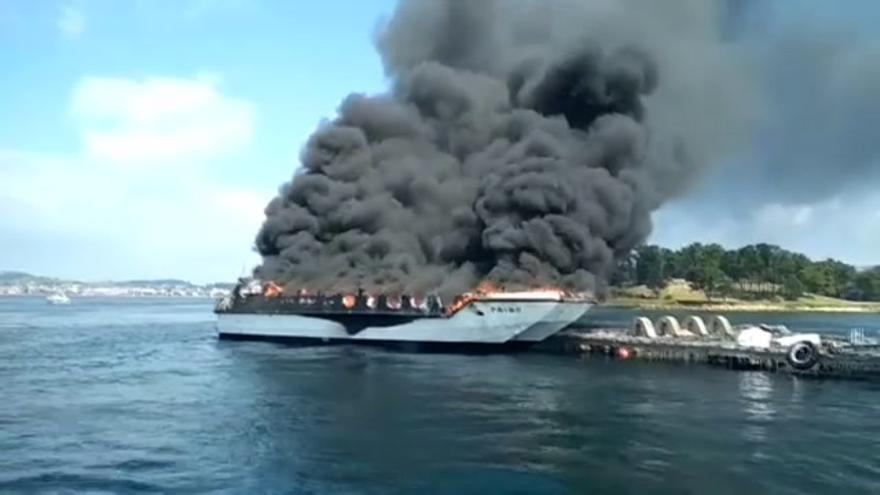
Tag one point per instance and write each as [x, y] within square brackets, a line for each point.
[739, 306]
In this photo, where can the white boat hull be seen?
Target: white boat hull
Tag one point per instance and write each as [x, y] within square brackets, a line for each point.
[482, 322]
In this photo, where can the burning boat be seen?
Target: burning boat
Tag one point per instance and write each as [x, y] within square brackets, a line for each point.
[255, 311]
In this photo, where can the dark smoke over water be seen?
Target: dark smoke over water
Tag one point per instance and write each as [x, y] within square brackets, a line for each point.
[808, 177]
[522, 142]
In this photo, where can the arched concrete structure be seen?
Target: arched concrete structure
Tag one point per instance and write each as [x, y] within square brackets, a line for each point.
[695, 325]
[668, 326]
[720, 327]
[642, 327]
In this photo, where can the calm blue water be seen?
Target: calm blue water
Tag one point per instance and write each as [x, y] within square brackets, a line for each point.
[134, 396]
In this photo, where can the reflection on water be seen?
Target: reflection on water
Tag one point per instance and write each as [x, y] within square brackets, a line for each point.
[756, 392]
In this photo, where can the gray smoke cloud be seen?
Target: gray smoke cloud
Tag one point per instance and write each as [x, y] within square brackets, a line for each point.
[813, 79]
[820, 137]
[521, 142]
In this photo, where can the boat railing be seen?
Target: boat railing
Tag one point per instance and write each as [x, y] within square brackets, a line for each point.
[334, 304]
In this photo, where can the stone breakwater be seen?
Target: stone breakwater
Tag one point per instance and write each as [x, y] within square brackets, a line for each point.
[835, 358]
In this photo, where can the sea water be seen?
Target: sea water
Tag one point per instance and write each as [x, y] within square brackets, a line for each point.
[138, 396]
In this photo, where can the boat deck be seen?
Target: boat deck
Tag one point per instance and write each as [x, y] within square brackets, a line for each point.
[337, 304]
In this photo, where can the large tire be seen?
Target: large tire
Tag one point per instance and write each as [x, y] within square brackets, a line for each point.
[642, 327]
[695, 325]
[802, 355]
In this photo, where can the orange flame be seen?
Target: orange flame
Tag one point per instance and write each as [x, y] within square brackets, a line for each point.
[271, 289]
[460, 302]
[348, 301]
[486, 287]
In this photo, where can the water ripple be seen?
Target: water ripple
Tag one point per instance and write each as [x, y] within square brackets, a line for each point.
[127, 397]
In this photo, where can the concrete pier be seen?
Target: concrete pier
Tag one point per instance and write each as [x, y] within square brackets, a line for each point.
[836, 358]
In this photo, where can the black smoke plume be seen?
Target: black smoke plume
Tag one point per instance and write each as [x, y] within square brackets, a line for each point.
[522, 142]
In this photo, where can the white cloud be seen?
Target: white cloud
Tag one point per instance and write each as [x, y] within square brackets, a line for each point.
[136, 122]
[83, 215]
[71, 21]
[131, 225]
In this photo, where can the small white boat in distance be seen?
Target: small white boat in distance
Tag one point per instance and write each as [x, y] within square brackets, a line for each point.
[58, 298]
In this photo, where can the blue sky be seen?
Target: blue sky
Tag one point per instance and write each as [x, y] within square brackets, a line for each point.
[142, 138]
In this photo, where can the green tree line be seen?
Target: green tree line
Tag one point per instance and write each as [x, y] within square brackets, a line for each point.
[753, 271]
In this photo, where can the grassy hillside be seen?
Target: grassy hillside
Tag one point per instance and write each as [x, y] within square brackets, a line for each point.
[680, 294]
